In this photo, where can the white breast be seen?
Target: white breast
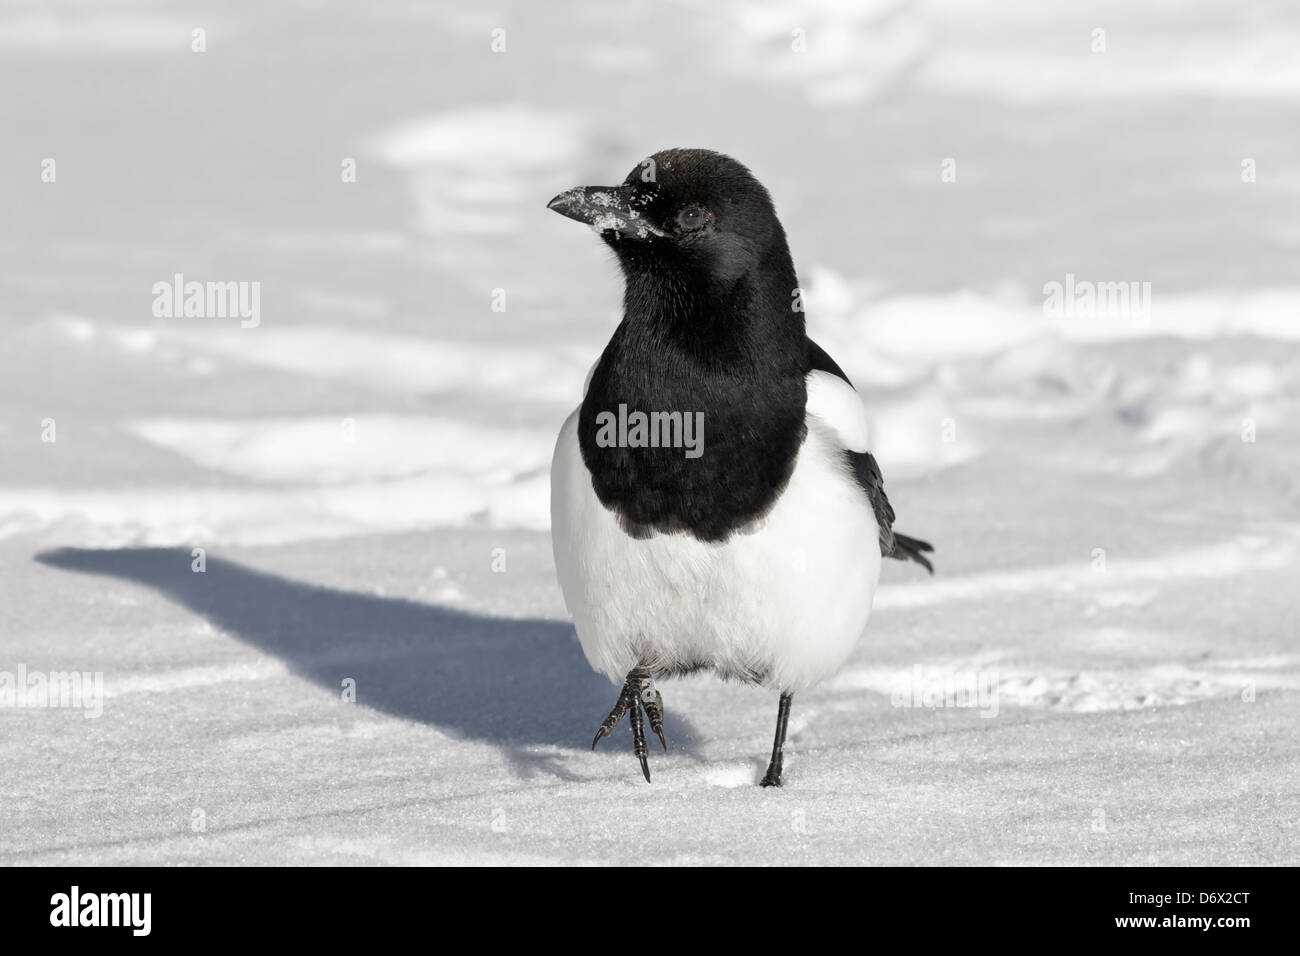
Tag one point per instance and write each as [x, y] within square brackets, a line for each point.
[785, 603]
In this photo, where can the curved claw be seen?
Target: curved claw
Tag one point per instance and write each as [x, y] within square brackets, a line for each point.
[638, 735]
[638, 694]
[653, 703]
[615, 715]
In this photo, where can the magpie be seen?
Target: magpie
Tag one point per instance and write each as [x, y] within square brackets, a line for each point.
[756, 557]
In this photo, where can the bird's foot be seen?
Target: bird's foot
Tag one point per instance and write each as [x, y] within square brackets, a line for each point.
[639, 694]
[772, 778]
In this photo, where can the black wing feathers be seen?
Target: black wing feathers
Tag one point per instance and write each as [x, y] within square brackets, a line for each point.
[906, 548]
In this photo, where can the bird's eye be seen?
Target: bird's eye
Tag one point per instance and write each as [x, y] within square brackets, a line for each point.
[690, 218]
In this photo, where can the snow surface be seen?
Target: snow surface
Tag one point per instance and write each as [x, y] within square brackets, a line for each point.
[1113, 498]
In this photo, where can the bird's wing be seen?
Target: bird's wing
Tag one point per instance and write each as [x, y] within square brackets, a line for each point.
[834, 401]
[835, 404]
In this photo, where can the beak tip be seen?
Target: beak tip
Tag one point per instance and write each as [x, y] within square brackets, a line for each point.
[561, 202]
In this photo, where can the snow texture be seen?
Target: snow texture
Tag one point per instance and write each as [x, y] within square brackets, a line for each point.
[1105, 668]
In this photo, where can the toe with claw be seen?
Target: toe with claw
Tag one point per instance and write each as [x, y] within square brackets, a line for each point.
[639, 694]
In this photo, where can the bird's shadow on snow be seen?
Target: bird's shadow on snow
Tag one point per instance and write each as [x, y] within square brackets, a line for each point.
[521, 685]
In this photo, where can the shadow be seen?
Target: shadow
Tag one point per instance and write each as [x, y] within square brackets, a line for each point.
[517, 684]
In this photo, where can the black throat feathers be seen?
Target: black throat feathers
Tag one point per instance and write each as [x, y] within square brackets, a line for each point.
[732, 353]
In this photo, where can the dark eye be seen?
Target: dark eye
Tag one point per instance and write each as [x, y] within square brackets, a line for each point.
[690, 217]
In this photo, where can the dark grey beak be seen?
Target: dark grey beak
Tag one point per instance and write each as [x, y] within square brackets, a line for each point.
[605, 209]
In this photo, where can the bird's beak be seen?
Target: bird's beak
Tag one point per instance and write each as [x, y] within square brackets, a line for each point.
[606, 209]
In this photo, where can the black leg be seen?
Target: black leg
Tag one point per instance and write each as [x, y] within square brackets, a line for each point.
[773, 776]
[638, 694]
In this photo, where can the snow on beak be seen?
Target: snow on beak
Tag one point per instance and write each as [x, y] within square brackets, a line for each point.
[606, 209]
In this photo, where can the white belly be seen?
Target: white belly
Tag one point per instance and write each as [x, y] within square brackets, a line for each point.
[784, 604]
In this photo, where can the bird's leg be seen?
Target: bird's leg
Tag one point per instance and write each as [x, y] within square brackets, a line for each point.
[773, 776]
[638, 694]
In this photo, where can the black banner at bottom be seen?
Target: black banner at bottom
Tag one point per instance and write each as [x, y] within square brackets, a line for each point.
[1151, 905]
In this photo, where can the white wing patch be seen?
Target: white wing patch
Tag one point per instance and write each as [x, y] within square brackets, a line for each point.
[837, 406]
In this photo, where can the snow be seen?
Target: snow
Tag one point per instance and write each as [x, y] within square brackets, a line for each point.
[1104, 669]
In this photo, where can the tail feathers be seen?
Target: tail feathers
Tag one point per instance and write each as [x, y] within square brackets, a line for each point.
[911, 549]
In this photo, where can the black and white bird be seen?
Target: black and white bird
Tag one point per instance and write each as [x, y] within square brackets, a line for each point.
[755, 552]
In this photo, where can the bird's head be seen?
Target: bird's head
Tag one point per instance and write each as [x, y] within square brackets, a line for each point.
[689, 212]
